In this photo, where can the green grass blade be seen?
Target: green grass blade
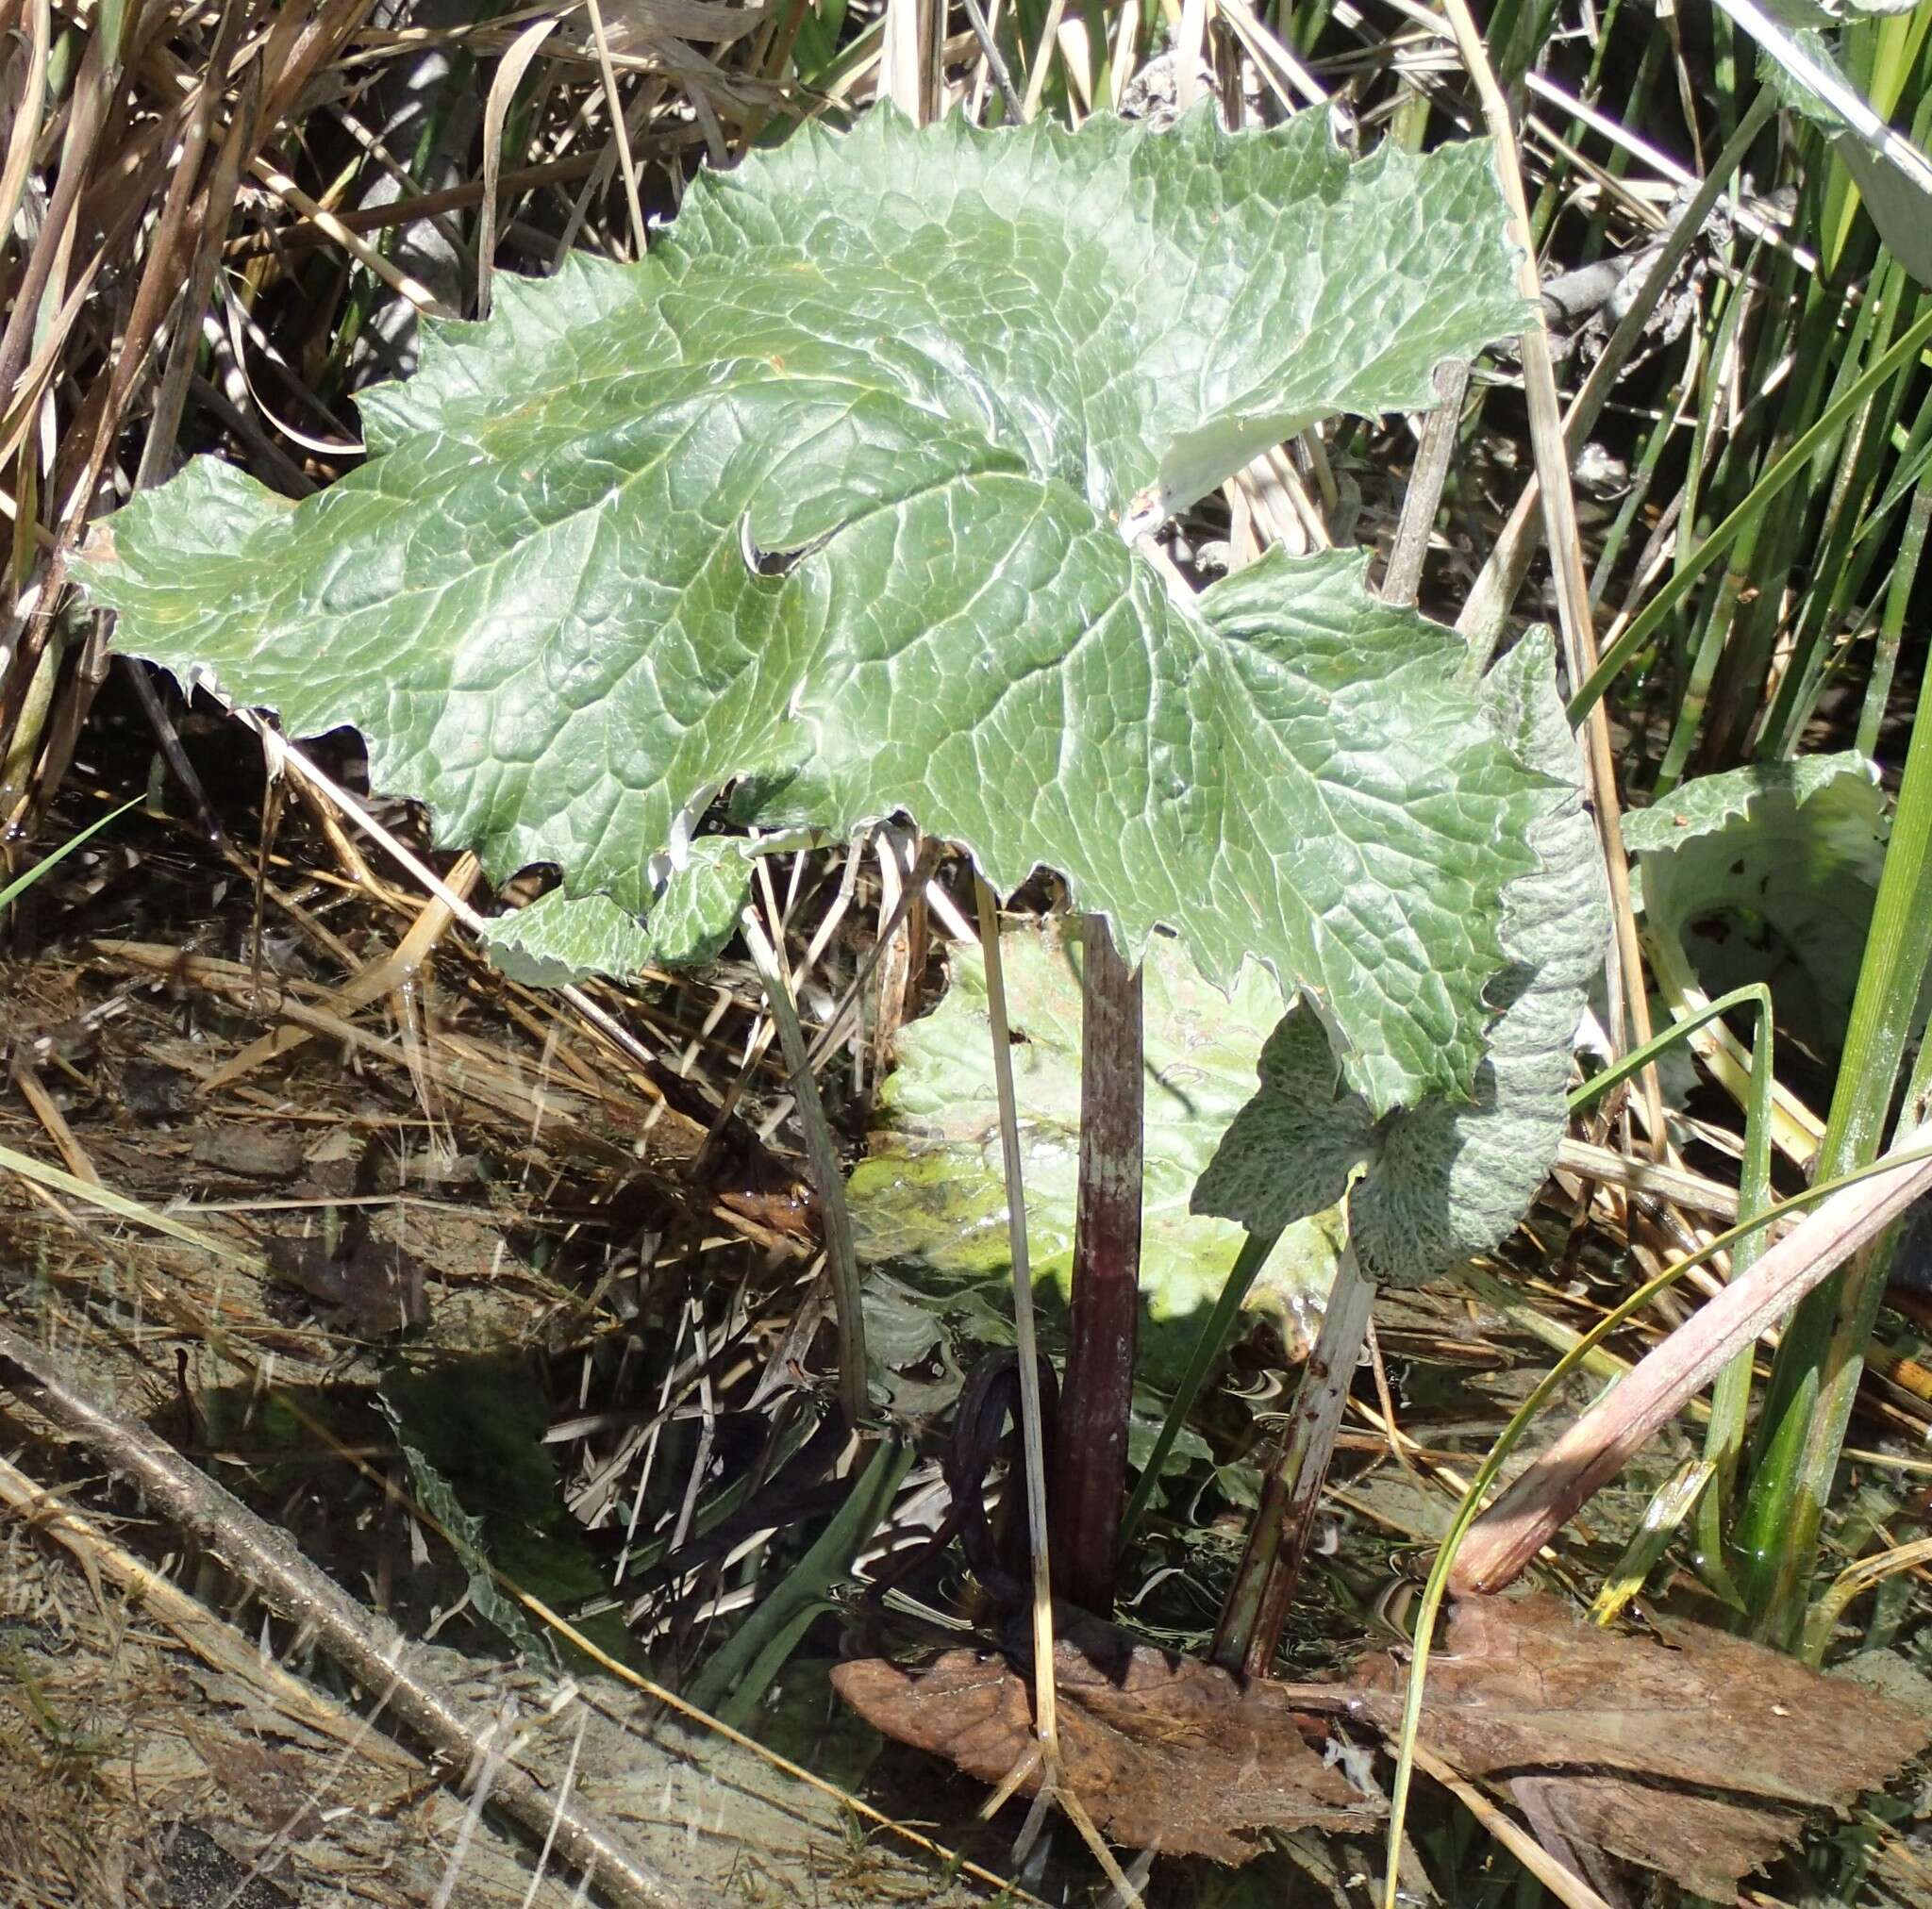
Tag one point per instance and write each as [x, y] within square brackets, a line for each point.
[736, 1677]
[1206, 1350]
[1775, 481]
[21, 883]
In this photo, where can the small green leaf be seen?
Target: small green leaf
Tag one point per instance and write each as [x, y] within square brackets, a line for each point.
[697, 911]
[466, 1533]
[1445, 1180]
[834, 483]
[471, 1429]
[557, 941]
[1792, 91]
[1771, 794]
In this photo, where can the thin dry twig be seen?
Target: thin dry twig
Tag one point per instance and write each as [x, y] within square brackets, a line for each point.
[828, 1177]
[1566, 554]
[368, 1647]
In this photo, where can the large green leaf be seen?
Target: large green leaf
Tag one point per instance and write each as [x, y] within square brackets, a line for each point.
[1446, 1180]
[840, 482]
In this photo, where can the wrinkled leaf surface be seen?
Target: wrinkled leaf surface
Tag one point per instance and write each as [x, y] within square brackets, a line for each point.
[834, 485]
[1447, 1179]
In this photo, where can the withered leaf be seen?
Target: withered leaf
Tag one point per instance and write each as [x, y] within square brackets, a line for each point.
[1697, 1756]
[236, 1151]
[1166, 1753]
[377, 1286]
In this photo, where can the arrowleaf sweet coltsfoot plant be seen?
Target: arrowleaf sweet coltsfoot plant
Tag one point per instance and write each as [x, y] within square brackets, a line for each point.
[840, 488]
[832, 485]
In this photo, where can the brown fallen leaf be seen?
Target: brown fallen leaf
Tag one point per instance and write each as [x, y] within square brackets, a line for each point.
[377, 1286]
[1697, 1756]
[1166, 1753]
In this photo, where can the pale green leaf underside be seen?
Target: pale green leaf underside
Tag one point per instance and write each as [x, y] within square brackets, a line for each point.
[1769, 872]
[830, 482]
[1445, 1180]
[933, 1191]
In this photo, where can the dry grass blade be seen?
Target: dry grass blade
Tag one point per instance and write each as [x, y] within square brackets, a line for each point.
[92, 1193]
[1567, 1888]
[393, 970]
[1596, 1446]
[1045, 54]
[620, 132]
[358, 248]
[1033, 1437]
[509, 76]
[909, 59]
[1421, 499]
[27, 126]
[840, 1254]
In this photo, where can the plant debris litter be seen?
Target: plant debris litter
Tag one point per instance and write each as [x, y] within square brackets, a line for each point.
[1688, 1753]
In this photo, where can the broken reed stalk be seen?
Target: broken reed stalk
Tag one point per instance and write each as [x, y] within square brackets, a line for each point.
[1257, 1601]
[369, 1648]
[205, 1633]
[1504, 1539]
[1090, 1459]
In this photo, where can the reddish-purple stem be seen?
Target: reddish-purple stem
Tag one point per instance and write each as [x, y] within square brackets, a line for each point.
[1090, 1472]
